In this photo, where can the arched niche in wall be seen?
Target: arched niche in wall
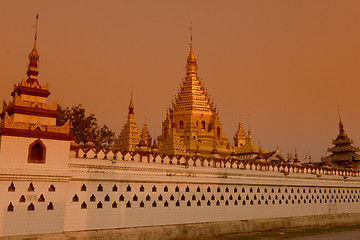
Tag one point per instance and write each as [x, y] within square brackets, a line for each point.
[37, 152]
[203, 125]
[181, 124]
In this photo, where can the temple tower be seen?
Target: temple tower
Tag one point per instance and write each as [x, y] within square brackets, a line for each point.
[129, 137]
[192, 120]
[29, 136]
[240, 136]
[343, 154]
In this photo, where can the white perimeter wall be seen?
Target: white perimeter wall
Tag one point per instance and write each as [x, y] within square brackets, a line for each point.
[14, 153]
[258, 194]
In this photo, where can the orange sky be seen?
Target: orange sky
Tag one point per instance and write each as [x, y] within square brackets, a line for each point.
[286, 64]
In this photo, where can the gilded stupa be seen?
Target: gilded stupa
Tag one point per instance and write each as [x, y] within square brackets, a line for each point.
[192, 122]
[130, 135]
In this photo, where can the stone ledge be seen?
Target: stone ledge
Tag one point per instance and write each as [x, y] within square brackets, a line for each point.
[200, 230]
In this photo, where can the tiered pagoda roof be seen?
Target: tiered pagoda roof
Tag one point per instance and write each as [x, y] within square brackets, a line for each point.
[192, 119]
[28, 114]
[343, 153]
[192, 95]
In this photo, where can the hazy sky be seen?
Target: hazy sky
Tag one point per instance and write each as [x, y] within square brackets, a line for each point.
[286, 64]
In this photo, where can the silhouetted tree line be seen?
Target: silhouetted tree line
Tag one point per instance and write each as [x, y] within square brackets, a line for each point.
[84, 127]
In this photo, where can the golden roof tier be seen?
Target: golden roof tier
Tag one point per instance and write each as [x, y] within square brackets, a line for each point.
[192, 95]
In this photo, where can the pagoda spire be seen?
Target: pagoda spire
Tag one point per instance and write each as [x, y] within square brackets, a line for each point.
[249, 132]
[191, 66]
[249, 135]
[130, 135]
[240, 137]
[131, 105]
[33, 67]
[341, 125]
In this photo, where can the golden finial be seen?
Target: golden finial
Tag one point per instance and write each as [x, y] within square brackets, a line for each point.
[33, 71]
[341, 125]
[249, 131]
[131, 104]
[239, 125]
[34, 54]
[191, 33]
[191, 60]
[131, 100]
[36, 26]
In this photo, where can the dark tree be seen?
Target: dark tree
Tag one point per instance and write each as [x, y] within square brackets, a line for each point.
[104, 137]
[84, 127]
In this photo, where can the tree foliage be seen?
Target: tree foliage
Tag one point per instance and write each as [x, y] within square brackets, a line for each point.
[84, 127]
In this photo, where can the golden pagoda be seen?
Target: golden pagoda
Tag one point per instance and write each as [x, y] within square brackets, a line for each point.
[192, 122]
[130, 136]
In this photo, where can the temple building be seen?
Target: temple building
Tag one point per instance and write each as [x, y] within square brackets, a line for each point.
[191, 127]
[198, 182]
[248, 149]
[343, 154]
[245, 149]
[192, 122]
[29, 136]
